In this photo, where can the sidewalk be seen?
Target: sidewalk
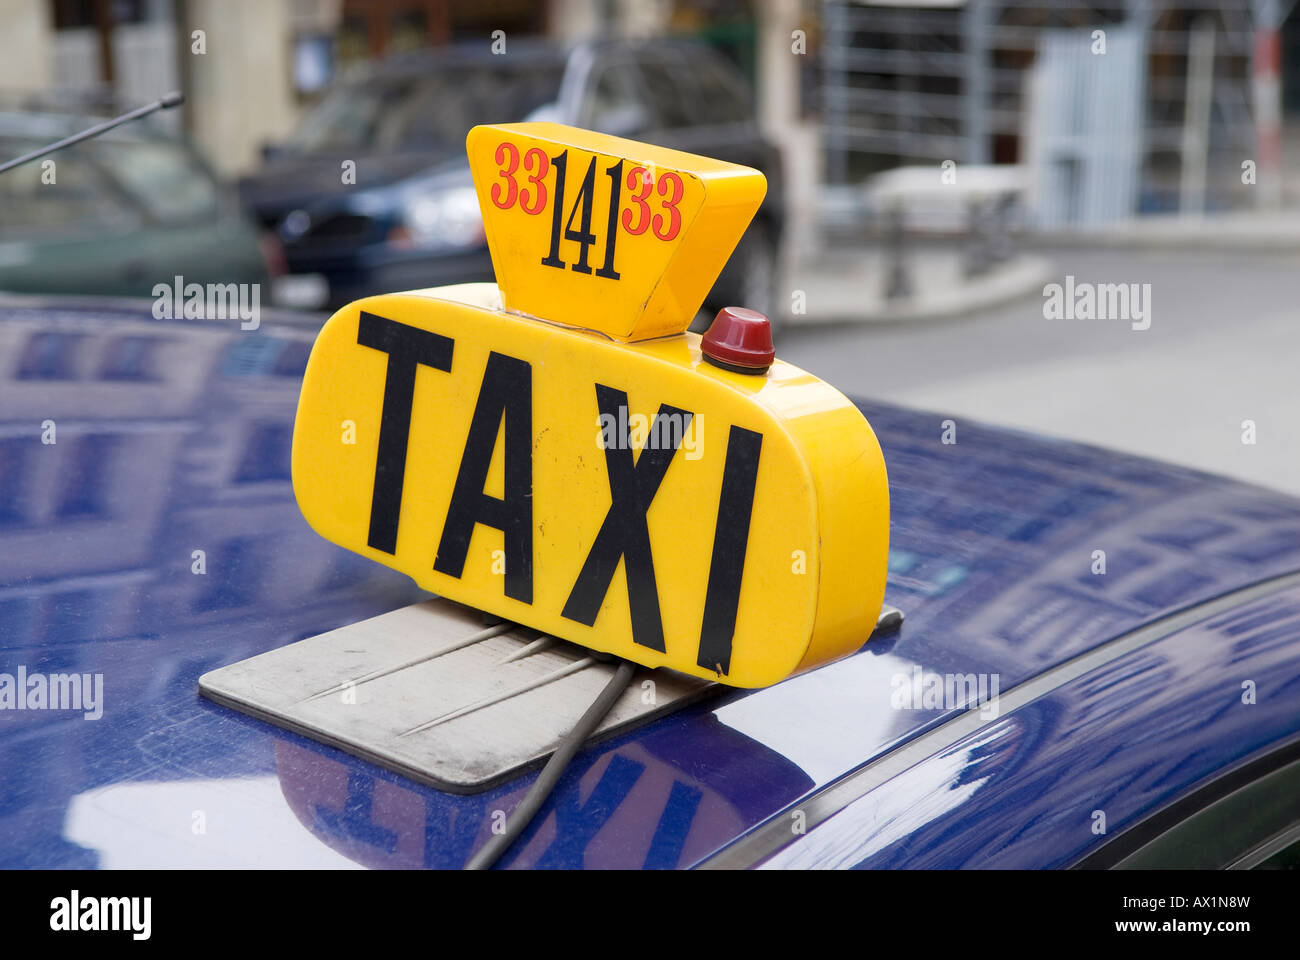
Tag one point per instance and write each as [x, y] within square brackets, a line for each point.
[845, 282]
[1242, 230]
[847, 285]
[1221, 350]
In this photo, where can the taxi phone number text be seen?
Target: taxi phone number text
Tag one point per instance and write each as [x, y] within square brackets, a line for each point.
[535, 165]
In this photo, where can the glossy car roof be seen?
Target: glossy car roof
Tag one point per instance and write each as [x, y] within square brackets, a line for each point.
[173, 437]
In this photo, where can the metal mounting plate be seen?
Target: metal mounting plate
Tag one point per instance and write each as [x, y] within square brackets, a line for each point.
[393, 690]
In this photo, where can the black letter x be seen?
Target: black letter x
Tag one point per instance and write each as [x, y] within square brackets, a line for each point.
[624, 534]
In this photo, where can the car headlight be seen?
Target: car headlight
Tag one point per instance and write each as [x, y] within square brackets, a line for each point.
[449, 218]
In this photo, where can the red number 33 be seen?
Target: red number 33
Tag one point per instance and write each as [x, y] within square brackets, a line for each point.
[669, 183]
[536, 163]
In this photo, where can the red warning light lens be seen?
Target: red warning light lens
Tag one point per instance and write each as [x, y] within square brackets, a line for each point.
[739, 339]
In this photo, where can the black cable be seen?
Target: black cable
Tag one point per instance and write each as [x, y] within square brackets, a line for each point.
[523, 814]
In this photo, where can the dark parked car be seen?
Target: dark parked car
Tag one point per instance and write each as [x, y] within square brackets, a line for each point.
[411, 218]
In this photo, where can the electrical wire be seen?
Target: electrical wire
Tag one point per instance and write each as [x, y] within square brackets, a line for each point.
[523, 814]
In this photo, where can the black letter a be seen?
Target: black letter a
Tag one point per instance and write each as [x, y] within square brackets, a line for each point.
[507, 391]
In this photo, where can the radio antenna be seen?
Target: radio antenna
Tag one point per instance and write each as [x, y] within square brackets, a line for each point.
[166, 103]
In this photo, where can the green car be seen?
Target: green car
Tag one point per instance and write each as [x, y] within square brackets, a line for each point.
[116, 215]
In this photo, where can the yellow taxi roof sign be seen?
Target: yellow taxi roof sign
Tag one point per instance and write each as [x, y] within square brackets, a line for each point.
[606, 234]
[632, 498]
[559, 452]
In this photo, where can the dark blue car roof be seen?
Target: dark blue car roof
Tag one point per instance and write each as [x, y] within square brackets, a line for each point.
[174, 438]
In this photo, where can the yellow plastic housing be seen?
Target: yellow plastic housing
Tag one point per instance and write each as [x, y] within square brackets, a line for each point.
[757, 527]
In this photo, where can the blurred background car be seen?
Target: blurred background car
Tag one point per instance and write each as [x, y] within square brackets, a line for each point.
[372, 193]
[116, 214]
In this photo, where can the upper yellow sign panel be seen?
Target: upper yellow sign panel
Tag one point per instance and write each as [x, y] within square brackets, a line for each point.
[603, 233]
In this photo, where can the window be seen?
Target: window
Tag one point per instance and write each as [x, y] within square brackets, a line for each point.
[130, 358]
[266, 454]
[77, 197]
[347, 119]
[1248, 819]
[160, 176]
[85, 491]
[78, 14]
[614, 103]
[50, 356]
[13, 456]
[441, 109]
[242, 565]
[668, 99]
[721, 96]
[292, 361]
[1286, 858]
[431, 110]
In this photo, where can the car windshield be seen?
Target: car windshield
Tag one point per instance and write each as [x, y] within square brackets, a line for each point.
[427, 111]
[102, 180]
[161, 175]
[83, 199]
